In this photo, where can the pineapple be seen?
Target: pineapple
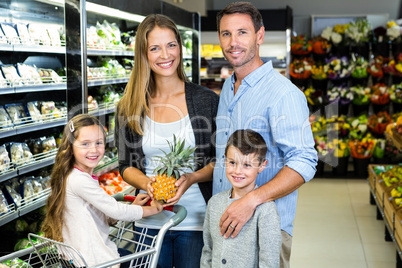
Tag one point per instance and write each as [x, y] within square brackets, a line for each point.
[172, 164]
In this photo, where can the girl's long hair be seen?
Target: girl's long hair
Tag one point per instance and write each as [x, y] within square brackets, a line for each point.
[133, 106]
[64, 163]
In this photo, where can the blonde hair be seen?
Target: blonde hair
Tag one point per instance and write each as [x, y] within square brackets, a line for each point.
[64, 163]
[133, 106]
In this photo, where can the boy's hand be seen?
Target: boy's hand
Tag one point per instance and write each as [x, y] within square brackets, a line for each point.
[141, 199]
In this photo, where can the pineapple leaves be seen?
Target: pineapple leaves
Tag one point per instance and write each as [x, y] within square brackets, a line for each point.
[177, 161]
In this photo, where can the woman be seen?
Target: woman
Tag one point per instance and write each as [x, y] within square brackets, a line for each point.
[159, 102]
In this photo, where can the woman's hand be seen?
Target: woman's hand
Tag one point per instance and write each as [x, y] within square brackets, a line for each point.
[183, 183]
[141, 199]
[150, 189]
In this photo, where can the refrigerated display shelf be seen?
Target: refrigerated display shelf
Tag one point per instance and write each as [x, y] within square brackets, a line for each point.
[30, 127]
[101, 52]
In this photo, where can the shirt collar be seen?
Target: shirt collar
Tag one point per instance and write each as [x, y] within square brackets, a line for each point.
[252, 78]
[93, 177]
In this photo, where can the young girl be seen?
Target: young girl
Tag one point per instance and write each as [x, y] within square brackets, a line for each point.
[78, 208]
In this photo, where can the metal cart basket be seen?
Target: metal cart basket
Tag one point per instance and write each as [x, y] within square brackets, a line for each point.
[49, 253]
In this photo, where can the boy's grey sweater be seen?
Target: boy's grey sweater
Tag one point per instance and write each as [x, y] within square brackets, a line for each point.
[257, 245]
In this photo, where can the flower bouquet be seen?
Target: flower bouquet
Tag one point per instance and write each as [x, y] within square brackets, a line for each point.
[395, 94]
[339, 127]
[361, 99]
[380, 97]
[321, 47]
[319, 76]
[318, 125]
[359, 71]
[341, 96]
[394, 35]
[300, 71]
[315, 98]
[394, 68]
[391, 153]
[379, 152]
[380, 42]
[336, 36]
[361, 151]
[358, 127]
[375, 70]
[358, 36]
[338, 70]
[377, 123]
[324, 151]
[340, 156]
[301, 45]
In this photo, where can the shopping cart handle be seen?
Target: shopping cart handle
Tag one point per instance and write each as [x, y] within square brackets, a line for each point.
[181, 214]
[130, 198]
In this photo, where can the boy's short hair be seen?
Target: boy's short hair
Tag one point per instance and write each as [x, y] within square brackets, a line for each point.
[248, 142]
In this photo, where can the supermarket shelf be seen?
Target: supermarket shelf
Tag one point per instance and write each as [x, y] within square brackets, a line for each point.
[12, 214]
[101, 169]
[38, 48]
[9, 174]
[101, 82]
[100, 52]
[103, 109]
[30, 127]
[35, 88]
[389, 226]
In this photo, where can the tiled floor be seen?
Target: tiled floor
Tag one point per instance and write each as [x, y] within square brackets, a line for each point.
[335, 226]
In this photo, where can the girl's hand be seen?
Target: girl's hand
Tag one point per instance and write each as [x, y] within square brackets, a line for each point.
[141, 199]
[157, 205]
[150, 189]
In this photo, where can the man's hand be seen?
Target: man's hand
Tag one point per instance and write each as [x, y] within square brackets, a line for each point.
[236, 216]
[150, 189]
[183, 183]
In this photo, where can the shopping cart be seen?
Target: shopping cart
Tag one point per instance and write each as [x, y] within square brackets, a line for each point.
[49, 253]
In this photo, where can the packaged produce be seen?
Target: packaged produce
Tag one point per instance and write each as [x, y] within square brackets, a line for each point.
[36, 185]
[4, 159]
[39, 34]
[23, 243]
[32, 111]
[110, 32]
[10, 32]
[114, 68]
[20, 153]
[3, 81]
[92, 103]
[16, 112]
[94, 41]
[14, 196]
[17, 263]
[35, 145]
[5, 120]
[54, 36]
[22, 31]
[3, 38]
[48, 110]
[48, 144]
[45, 181]
[10, 73]
[27, 191]
[29, 74]
[49, 76]
[3, 204]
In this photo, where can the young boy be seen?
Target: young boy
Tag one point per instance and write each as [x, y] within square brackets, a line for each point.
[259, 242]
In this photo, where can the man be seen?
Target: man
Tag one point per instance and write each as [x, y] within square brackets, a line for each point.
[259, 98]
